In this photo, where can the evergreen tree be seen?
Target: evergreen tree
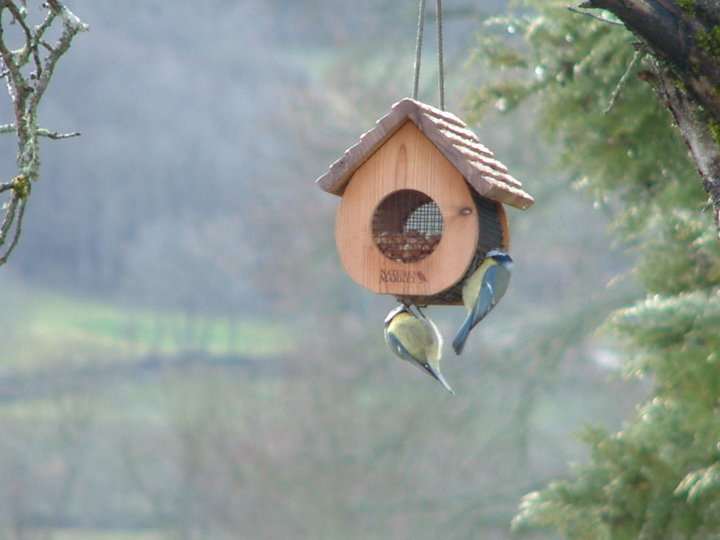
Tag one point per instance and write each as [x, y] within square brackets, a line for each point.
[595, 91]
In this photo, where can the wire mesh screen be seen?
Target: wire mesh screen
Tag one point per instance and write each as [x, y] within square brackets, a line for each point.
[407, 226]
[492, 235]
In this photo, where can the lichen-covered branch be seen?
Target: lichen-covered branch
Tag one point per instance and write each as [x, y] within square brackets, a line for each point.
[27, 71]
[699, 133]
[684, 38]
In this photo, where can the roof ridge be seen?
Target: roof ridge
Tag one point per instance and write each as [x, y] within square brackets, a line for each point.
[485, 173]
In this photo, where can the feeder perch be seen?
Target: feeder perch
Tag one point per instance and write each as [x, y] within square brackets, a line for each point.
[421, 204]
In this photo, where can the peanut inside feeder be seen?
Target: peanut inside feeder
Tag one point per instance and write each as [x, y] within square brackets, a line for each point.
[407, 225]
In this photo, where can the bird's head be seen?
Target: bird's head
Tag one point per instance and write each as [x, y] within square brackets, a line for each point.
[402, 308]
[436, 374]
[500, 256]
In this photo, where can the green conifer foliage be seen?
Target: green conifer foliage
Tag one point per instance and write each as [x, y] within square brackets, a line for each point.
[659, 477]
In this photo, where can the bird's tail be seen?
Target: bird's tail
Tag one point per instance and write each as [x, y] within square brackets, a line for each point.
[458, 343]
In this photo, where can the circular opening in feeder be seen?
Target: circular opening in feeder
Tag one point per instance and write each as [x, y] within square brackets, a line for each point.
[407, 226]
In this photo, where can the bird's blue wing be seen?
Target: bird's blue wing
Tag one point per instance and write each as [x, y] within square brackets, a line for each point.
[486, 299]
[399, 349]
[494, 283]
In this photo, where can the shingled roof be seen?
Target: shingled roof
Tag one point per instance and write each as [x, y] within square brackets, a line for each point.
[450, 135]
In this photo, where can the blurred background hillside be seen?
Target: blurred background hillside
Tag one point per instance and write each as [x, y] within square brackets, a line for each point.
[181, 353]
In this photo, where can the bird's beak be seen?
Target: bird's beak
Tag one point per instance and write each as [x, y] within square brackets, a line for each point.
[439, 376]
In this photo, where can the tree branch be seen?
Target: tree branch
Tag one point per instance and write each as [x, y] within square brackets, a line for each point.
[683, 39]
[593, 16]
[685, 44]
[698, 134]
[30, 47]
[41, 132]
[25, 93]
[14, 213]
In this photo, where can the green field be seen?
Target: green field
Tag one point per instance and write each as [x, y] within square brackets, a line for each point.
[40, 327]
[83, 534]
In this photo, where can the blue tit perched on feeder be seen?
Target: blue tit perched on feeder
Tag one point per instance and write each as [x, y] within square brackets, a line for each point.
[416, 340]
[482, 290]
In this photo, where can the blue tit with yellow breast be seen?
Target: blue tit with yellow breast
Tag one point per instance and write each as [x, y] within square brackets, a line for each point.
[482, 291]
[416, 340]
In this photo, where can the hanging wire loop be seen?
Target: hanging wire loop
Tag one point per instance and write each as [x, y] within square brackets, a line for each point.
[418, 47]
[441, 67]
[418, 51]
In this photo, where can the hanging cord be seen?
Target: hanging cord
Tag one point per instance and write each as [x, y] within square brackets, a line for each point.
[418, 51]
[418, 47]
[441, 69]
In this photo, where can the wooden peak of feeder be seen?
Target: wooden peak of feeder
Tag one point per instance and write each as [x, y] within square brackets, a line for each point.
[485, 174]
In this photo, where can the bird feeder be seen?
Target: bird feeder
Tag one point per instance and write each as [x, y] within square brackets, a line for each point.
[422, 202]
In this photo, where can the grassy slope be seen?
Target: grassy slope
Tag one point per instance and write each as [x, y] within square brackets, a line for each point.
[46, 334]
[40, 327]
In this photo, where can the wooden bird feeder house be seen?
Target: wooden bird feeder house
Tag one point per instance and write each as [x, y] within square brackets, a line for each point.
[422, 203]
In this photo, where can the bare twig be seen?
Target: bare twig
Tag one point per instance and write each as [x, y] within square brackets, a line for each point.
[42, 132]
[29, 48]
[55, 135]
[623, 81]
[18, 208]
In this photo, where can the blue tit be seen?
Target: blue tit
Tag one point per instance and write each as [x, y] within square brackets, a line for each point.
[482, 290]
[416, 340]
